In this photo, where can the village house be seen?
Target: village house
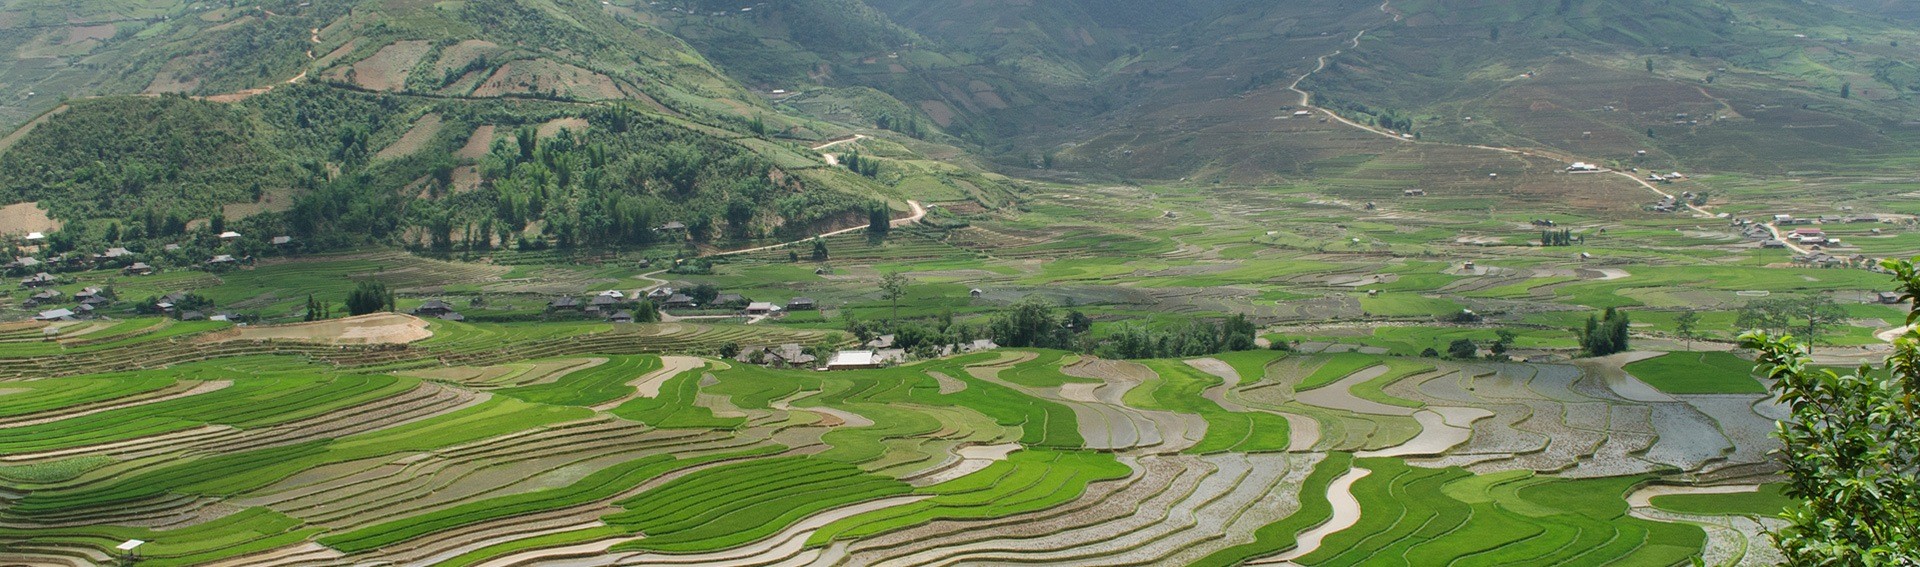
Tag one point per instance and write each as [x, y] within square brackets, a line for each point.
[564, 303]
[221, 261]
[138, 269]
[621, 317]
[113, 254]
[229, 236]
[602, 304]
[679, 301]
[54, 315]
[1888, 297]
[853, 360]
[1414, 193]
[433, 308]
[802, 304]
[43, 298]
[1771, 243]
[762, 308]
[41, 279]
[281, 240]
[730, 300]
[784, 356]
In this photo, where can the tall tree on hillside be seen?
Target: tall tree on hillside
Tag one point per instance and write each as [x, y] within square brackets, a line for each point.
[879, 221]
[1852, 449]
[1685, 325]
[1846, 90]
[893, 287]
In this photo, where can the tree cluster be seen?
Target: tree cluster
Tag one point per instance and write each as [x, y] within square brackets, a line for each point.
[1809, 316]
[1562, 237]
[1852, 449]
[1605, 334]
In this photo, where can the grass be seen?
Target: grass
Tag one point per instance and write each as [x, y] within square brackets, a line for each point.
[601, 485]
[1251, 364]
[1027, 481]
[1336, 367]
[674, 407]
[235, 473]
[732, 505]
[252, 401]
[1768, 502]
[591, 386]
[1698, 373]
[1453, 517]
[1178, 388]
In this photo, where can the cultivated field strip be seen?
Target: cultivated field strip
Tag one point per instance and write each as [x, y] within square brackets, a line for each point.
[549, 446]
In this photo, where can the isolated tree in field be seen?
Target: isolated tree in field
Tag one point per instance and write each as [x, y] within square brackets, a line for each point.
[893, 287]
[1462, 349]
[819, 249]
[1503, 340]
[1685, 326]
[1852, 449]
[369, 297]
[1649, 64]
[1846, 90]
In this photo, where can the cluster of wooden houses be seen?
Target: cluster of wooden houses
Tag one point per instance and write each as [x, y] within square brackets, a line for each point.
[616, 306]
[877, 353]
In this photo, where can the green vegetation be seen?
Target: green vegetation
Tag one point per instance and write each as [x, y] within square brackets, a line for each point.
[1767, 502]
[1179, 388]
[1025, 482]
[595, 385]
[731, 505]
[1698, 373]
[1450, 515]
[1335, 368]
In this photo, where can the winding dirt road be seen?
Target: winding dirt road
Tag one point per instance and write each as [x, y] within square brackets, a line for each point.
[1306, 100]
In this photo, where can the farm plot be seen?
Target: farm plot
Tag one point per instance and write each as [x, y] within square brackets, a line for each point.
[1450, 516]
[574, 443]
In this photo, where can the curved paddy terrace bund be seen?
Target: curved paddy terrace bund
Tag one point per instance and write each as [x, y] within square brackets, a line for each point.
[315, 446]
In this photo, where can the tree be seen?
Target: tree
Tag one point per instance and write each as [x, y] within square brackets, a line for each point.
[1846, 90]
[1810, 316]
[819, 249]
[1684, 325]
[1462, 349]
[1503, 340]
[369, 297]
[1649, 64]
[1606, 334]
[1816, 315]
[879, 221]
[893, 286]
[1851, 449]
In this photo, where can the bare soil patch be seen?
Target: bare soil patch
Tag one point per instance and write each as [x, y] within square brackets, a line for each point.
[416, 138]
[387, 69]
[378, 328]
[26, 217]
[548, 77]
[477, 144]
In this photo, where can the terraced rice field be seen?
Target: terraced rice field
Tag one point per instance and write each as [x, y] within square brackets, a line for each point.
[571, 444]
